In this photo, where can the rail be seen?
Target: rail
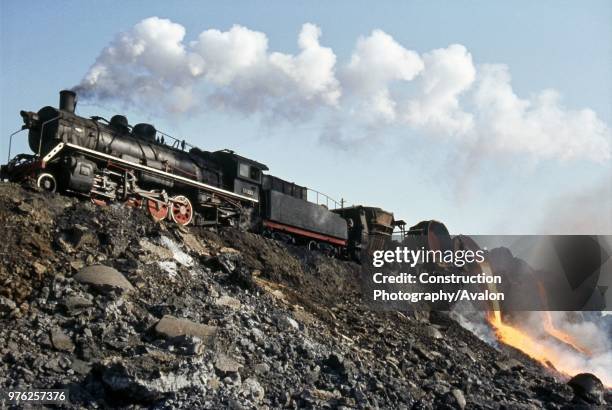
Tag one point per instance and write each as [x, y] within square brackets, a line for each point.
[160, 136]
[176, 143]
[320, 198]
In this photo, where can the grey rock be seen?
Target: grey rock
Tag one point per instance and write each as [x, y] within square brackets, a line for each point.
[228, 301]
[75, 303]
[189, 345]
[61, 341]
[301, 332]
[103, 278]
[226, 365]
[127, 379]
[257, 336]
[433, 332]
[508, 364]
[39, 268]
[284, 322]
[53, 365]
[80, 236]
[7, 305]
[159, 251]
[588, 387]
[261, 368]
[252, 389]
[227, 262]
[194, 244]
[422, 352]
[80, 366]
[171, 327]
[459, 398]
[25, 208]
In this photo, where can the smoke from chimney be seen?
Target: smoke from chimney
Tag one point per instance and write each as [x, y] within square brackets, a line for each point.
[441, 93]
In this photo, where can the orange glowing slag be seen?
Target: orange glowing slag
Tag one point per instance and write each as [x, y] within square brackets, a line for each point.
[553, 347]
[553, 355]
[550, 328]
[520, 340]
[561, 335]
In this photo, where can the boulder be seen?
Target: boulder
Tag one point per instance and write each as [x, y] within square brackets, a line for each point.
[103, 278]
[172, 327]
[226, 365]
[587, 387]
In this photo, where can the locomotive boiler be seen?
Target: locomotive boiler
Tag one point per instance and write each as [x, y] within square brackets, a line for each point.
[111, 160]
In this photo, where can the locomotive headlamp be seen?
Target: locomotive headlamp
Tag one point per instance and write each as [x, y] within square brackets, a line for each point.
[30, 119]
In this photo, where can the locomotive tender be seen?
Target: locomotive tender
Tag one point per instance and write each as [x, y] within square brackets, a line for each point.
[112, 161]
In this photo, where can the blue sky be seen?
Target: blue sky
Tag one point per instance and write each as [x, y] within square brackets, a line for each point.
[565, 46]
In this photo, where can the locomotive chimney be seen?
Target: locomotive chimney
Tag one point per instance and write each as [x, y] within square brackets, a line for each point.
[67, 100]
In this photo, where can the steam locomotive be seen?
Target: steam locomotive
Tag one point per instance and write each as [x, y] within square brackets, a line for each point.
[110, 160]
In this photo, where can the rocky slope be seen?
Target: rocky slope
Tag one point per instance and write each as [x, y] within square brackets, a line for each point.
[126, 312]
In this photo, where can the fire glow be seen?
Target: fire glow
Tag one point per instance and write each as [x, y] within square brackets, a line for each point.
[555, 349]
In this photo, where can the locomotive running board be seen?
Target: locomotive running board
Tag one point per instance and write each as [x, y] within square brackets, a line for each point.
[145, 168]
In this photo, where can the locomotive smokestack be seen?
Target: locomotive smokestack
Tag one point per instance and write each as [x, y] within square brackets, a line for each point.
[67, 100]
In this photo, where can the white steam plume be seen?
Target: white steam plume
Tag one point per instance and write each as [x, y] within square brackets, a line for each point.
[151, 67]
[383, 84]
[378, 61]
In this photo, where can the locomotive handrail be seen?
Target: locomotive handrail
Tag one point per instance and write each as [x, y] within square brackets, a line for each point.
[168, 175]
[11, 142]
[176, 140]
[175, 144]
[326, 198]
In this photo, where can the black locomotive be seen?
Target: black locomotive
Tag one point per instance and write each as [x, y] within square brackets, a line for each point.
[114, 161]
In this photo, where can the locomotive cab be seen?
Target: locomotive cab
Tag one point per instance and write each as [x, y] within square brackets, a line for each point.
[242, 175]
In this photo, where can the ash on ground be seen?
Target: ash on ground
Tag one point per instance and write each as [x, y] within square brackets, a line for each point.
[122, 311]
